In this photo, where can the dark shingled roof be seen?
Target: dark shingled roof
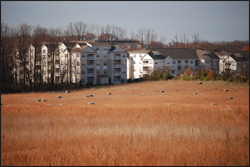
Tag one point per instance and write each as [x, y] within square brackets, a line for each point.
[177, 53]
[155, 57]
[212, 55]
[99, 44]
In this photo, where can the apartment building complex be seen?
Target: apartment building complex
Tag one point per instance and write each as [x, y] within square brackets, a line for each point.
[93, 62]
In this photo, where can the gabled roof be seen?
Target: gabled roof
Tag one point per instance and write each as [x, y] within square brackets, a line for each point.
[200, 54]
[177, 53]
[79, 49]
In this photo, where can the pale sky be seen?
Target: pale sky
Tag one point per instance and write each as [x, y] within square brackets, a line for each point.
[213, 20]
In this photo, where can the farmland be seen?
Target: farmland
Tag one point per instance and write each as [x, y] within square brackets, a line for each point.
[135, 125]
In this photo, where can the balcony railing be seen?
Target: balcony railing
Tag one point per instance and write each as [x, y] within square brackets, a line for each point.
[145, 72]
[145, 64]
[117, 57]
[117, 74]
[57, 66]
[90, 74]
[57, 58]
[57, 74]
[117, 66]
[117, 82]
[90, 57]
[179, 64]
[49, 59]
[90, 66]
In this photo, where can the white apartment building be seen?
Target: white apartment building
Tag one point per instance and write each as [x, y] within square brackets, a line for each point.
[134, 63]
[234, 62]
[176, 60]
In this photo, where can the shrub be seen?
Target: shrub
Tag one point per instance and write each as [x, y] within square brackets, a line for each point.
[205, 79]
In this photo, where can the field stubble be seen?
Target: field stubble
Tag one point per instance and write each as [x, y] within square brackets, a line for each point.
[133, 126]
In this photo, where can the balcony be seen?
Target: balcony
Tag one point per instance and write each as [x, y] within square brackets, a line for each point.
[117, 74]
[117, 57]
[90, 74]
[57, 66]
[117, 66]
[145, 72]
[90, 57]
[90, 66]
[117, 82]
[145, 64]
[57, 74]
[49, 59]
[56, 57]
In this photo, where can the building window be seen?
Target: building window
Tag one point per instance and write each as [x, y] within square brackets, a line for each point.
[78, 63]
[207, 62]
[97, 56]
[31, 51]
[145, 62]
[105, 49]
[123, 55]
[105, 63]
[161, 61]
[174, 62]
[77, 71]
[186, 61]
[156, 62]
[105, 72]
[97, 48]
[168, 62]
[44, 51]
[61, 63]
[77, 55]
[97, 71]
[83, 72]
[123, 63]
[83, 55]
[105, 56]
[191, 62]
[97, 63]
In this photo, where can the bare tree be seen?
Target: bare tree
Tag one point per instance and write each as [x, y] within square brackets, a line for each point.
[23, 40]
[163, 40]
[91, 30]
[80, 29]
[175, 40]
[184, 39]
[70, 28]
[97, 31]
[196, 39]
[9, 55]
[108, 31]
[141, 36]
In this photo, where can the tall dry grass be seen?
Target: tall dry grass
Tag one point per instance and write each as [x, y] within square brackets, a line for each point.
[133, 126]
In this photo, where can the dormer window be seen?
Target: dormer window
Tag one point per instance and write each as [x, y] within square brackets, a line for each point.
[97, 48]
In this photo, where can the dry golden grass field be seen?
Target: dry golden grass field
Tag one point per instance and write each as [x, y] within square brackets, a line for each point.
[132, 126]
